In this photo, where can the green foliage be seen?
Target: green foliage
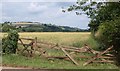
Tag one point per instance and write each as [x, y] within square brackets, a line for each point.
[109, 34]
[105, 15]
[90, 41]
[9, 43]
[6, 26]
[97, 12]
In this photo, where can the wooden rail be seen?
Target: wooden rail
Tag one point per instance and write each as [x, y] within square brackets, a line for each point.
[26, 46]
[69, 56]
[102, 56]
[96, 56]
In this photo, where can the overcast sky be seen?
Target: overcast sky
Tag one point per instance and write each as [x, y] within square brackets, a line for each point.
[44, 12]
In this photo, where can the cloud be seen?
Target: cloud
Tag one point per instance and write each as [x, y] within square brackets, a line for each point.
[35, 7]
[39, 0]
[47, 12]
[0, 11]
[73, 20]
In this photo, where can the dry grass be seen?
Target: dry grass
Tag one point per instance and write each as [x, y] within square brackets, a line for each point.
[58, 37]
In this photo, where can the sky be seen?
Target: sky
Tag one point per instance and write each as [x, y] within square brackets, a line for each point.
[44, 12]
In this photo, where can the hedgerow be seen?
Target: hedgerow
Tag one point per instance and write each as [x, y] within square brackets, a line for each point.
[9, 43]
[109, 34]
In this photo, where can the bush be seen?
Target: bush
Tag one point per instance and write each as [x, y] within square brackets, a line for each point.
[9, 43]
[6, 27]
[109, 34]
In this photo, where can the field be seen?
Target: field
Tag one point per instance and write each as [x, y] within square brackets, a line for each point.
[69, 39]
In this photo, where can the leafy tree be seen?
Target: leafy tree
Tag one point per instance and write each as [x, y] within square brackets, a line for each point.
[105, 18]
[97, 12]
[9, 43]
[7, 26]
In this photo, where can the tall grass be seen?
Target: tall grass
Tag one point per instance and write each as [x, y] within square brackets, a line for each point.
[90, 41]
[70, 39]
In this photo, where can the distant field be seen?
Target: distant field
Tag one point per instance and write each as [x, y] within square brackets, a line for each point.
[58, 37]
[76, 39]
[65, 38]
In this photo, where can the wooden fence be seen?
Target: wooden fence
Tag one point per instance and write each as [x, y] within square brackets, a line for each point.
[98, 56]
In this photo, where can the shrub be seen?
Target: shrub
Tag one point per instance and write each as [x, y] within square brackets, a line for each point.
[9, 43]
[6, 27]
[109, 34]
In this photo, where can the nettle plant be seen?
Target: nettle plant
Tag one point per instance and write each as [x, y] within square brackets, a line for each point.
[9, 43]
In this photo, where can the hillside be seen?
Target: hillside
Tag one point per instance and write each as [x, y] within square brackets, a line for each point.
[40, 27]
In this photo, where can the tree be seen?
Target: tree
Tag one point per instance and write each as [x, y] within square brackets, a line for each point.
[97, 12]
[7, 26]
[105, 19]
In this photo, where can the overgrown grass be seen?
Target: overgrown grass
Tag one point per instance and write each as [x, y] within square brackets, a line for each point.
[71, 39]
[90, 42]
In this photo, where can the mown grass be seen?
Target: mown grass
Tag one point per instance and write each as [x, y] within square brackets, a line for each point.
[70, 39]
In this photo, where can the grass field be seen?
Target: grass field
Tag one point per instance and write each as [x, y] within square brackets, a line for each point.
[71, 39]
[66, 38]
